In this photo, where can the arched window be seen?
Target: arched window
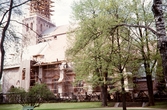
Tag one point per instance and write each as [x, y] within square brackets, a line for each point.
[23, 74]
[27, 27]
[31, 25]
[41, 27]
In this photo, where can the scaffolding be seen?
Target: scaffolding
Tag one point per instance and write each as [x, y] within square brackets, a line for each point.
[56, 75]
[41, 7]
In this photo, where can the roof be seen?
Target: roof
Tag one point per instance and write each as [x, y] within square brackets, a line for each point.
[54, 31]
[51, 51]
[11, 66]
[48, 31]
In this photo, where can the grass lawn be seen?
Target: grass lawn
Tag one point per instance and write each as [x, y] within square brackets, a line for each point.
[10, 107]
[55, 106]
[78, 106]
[69, 106]
[160, 105]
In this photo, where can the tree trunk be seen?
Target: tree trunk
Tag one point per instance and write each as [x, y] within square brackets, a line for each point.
[150, 90]
[104, 95]
[3, 37]
[9, 12]
[104, 92]
[123, 93]
[160, 27]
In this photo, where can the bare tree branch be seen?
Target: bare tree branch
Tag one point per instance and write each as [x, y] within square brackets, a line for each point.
[3, 37]
[140, 26]
[11, 9]
[9, 12]
[26, 26]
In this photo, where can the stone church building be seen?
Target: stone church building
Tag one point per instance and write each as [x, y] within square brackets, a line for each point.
[43, 57]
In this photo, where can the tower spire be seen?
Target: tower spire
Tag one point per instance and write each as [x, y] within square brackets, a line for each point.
[41, 7]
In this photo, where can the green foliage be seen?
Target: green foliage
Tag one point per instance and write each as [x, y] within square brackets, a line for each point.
[36, 95]
[159, 72]
[161, 86]
[14, 94]
[15, 90]
[101, 48]
[101, 45]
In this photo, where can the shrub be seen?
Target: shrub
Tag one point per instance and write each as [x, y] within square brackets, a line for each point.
[36, 95]
[14, 95]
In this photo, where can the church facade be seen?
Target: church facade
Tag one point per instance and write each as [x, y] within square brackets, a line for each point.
[43, 57]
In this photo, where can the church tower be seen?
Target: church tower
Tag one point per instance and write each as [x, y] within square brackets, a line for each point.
[37, 21]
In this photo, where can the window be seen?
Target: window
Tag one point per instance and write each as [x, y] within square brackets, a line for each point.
[27, 27]
[41, 27]
[23, 73]
[55, 37]
[32, 26]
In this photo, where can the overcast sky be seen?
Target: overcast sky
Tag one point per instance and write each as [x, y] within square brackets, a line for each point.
[62, 11]
[61, 14]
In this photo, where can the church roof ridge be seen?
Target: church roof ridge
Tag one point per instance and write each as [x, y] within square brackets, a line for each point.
[58, 30]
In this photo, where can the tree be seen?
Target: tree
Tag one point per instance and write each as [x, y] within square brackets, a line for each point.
[88, 49]
[98, 49]
[145, 42]
[121, 58]
[7, 8]
[161, 36]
